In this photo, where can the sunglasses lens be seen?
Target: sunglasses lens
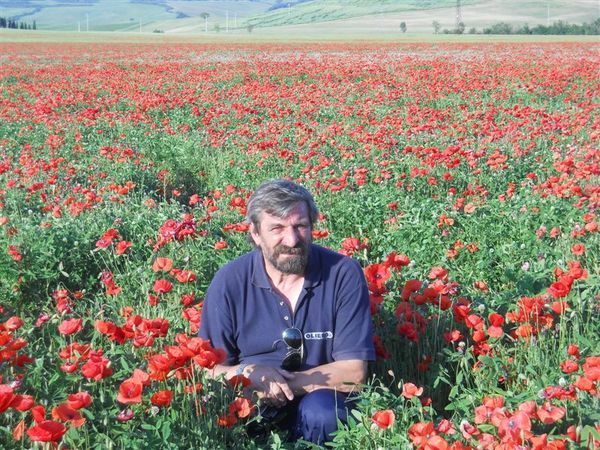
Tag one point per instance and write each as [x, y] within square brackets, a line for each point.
[292, 337]
[292, 361]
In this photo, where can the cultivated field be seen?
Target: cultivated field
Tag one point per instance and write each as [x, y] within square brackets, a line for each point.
[463, 176]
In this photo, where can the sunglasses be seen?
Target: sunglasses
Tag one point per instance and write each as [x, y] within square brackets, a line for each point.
[292, 337]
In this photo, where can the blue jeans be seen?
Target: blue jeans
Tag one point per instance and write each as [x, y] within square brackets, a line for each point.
[313, 417]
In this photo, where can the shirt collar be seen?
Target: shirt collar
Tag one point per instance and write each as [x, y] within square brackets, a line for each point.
[312, 277]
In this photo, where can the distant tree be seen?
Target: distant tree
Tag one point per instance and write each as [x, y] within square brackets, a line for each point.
[2, 22]
[403, 26]
[34, 26]
[472, 30]
[205, 15]
[217, 27]
[593, 28]
[436, 26]
[460, 28]
[499, 28]
[250, 28]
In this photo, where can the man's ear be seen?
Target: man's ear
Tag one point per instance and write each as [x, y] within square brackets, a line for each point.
[254, 234]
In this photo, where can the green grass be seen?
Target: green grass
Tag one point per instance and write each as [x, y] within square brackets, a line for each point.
[282, 35]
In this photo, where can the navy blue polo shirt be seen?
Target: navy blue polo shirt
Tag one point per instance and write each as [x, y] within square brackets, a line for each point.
[245, 316]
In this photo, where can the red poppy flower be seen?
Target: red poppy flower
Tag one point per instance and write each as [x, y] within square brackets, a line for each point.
[162, 398]
[221, 245]
[6, 397]
[515, 427]
[13, 323]
[351, 245]
[70, 326]
[162, 265]
[578, 249]
[548, 413]
[409, 390]
[439, 273]
[584, 384]
[559, 289]
[38, 413]
[65, 413]
[210, 358]
[19, 430]
[377, 275]
[130, 391]
[453, 336]
[242, 407]
[227, 421]
[162, 286]
[186, 276]
[122, 247]
[410, 287]
[239, 380]
[125, 415]
[384, 419]
[481, 285]
[569, 366]
[420, 432]
[573, 350]
[396, 262]
[141, 376]
[22, 403]
[46, 431]
[79, 400]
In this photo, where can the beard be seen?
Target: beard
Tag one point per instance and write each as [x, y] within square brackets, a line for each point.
[294, 261]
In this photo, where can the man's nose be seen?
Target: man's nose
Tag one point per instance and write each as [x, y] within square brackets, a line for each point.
[291, 237]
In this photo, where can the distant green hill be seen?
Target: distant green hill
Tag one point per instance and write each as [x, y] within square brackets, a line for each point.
[304, 17]
[125, 15]
[328, 10]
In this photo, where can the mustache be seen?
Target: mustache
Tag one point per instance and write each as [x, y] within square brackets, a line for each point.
[299, 249]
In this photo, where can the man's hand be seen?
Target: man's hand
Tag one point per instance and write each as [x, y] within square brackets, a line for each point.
[270, 384]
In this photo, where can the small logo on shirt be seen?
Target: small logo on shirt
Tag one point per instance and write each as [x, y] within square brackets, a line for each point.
[318, 335]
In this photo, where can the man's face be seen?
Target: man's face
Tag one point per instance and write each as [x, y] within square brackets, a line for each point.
[285, 241]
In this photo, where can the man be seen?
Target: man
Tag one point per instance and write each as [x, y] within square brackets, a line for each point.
[293, 317]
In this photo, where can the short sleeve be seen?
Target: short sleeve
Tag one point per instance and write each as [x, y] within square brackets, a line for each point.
[353, 335]
[216, 323]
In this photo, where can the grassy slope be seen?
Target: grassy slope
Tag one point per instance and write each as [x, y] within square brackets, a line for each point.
[320, 18]
[328, 10]
[121, 15]
[480, 15]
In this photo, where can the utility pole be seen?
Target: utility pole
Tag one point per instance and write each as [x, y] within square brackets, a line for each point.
[235, 20]
[458, 14]
[87, 22]
[548, 14]
[140, 24]
[79, 26]
[227, 21]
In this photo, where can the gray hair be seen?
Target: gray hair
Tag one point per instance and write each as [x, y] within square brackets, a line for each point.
[278, 197]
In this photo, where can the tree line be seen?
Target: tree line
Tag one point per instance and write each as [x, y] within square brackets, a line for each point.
[558, 27]
[11, 23]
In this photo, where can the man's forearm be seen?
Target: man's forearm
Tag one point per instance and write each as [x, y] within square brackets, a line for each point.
[341, 375]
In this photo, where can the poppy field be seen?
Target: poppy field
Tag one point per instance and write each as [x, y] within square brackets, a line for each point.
[465, 178]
